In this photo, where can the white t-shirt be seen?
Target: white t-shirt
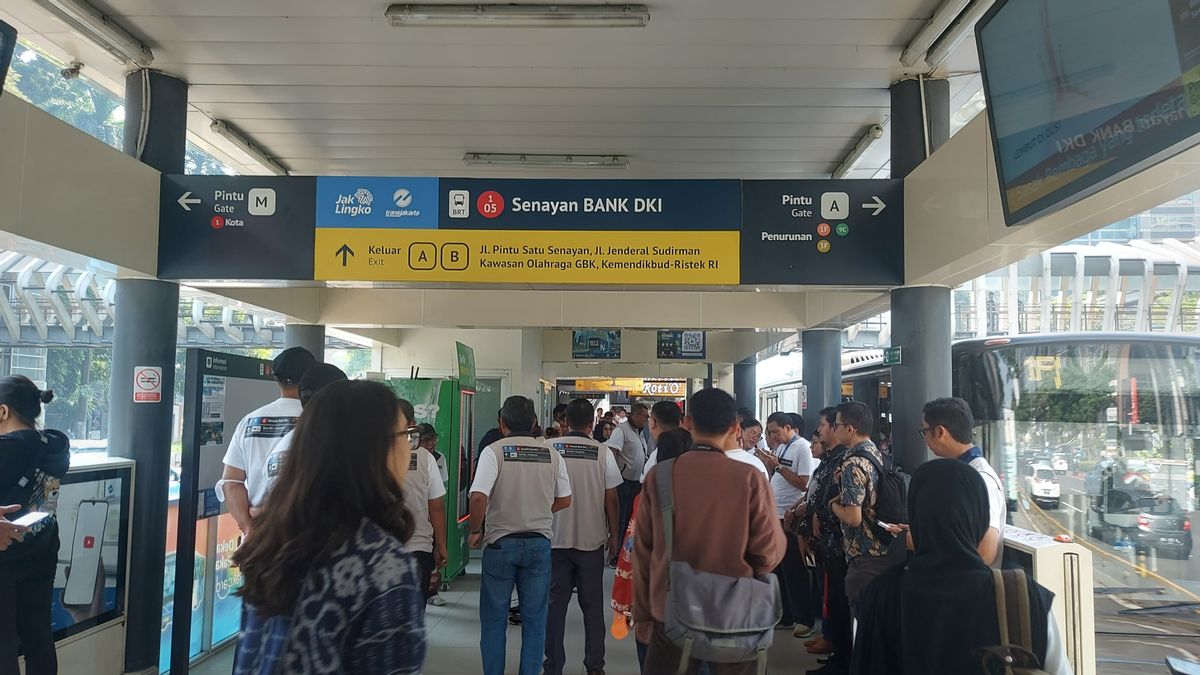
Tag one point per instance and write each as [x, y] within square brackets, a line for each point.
[797, 456]
[487, 471]
[997, 505]
[746, 457]
[274, 463]
[650, 462]
[255, 437]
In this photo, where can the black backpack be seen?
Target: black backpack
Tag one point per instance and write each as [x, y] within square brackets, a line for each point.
[891, 496]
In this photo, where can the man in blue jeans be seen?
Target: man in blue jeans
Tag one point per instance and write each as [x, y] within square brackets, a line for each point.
[519, 484]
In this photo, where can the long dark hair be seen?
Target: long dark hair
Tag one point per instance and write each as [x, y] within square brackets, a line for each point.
[336, 473]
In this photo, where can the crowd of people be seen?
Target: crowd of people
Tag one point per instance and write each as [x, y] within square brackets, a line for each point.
[723, 533]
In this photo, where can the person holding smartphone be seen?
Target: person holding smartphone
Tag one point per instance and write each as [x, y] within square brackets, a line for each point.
[32, 464]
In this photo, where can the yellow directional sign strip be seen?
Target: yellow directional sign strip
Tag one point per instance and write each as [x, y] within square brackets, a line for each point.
[528, 256]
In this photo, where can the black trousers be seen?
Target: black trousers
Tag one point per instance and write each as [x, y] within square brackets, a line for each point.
[25, 594]
[626, 493]
[425, 563]
[795, 585]
[839, 627]
[584, 570]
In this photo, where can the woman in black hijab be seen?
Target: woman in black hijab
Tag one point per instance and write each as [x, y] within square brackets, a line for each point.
[933, 615]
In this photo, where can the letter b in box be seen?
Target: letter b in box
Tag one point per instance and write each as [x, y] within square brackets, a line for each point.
[455, 257]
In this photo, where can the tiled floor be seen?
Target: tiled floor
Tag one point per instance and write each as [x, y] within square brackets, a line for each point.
[453, 641]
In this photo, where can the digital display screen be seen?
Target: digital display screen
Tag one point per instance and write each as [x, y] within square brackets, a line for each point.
[8, 43]
[89, 581]
[1084, 93]
[596, 344]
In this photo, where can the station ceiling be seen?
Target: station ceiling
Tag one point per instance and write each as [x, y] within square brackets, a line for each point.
[709, 88]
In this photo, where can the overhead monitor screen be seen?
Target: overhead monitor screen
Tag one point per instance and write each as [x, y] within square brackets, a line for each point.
[8, 42]
[1083, 93]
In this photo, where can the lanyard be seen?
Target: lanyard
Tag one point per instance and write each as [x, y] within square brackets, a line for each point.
[971, 455]
[787, 446]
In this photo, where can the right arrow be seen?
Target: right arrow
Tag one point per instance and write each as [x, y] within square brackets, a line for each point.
[346, 252]
[878, 205]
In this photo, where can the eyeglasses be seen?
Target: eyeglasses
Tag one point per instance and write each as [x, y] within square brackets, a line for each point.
[924, 431]
[413, 434]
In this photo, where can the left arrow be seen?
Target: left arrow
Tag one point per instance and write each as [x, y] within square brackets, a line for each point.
[346, 252]
[187, 198]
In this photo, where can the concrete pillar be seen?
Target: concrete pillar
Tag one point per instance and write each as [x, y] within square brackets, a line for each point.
[866, 390]
[822, 353]
[311, 338]
[745, 386]
[145, 334]
[921, 329]
[913, 124]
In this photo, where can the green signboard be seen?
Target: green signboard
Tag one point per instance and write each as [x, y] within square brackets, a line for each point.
[891, 356]
[466, 366]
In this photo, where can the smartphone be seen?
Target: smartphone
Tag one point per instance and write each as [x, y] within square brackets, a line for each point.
[30, 519]
[883, 524]
[86, 547]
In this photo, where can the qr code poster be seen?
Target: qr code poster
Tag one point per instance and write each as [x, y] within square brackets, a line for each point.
[681, 344]
[693, 343]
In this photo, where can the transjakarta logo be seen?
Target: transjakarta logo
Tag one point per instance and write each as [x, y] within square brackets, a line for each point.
[356, 204]
[403, 199]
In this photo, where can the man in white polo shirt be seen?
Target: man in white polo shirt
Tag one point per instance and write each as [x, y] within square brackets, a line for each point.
[948, 431]
[256, 436]
[791, 465]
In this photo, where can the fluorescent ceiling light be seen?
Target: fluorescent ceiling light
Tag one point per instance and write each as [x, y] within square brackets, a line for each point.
[873, 134]
[520, 15]
[222, 129]
[958, 31]
[941, 20]
[530, 160]
[98, 28]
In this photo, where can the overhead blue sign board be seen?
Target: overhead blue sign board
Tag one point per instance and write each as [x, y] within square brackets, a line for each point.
[647, 205]
[533, 232]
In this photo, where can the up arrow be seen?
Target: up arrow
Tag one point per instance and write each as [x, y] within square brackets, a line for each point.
[187, 198]
[878, 205]
[346, 252]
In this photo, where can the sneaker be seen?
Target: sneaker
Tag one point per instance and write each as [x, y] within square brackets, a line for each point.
[784, 626]
[437, 601]
[820, 646]
[809, 643]
[803, 631]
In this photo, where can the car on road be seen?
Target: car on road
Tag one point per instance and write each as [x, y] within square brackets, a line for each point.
[1150, 521]
[1042, 486]
[1060, 464]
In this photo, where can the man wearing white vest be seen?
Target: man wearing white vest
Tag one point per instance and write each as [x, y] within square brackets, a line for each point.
[627, 442]
[519, 484]
[425, 496]
[581, 533]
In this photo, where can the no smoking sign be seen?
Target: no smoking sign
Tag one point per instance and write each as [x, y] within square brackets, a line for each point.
[147, 384]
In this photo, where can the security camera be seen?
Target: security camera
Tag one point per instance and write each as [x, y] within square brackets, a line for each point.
[72, 71]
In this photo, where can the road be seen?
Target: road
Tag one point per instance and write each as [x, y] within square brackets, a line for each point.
[1130, 637]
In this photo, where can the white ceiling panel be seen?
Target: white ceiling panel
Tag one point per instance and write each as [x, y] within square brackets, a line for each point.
[758, 88]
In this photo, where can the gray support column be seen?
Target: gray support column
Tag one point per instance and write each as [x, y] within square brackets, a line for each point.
[822, 351]
[144, 335]
[913, 123]
[156, 119]
[745, 384]
[310, 337]
[866, 390]
[921, 329]
[147, 313]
